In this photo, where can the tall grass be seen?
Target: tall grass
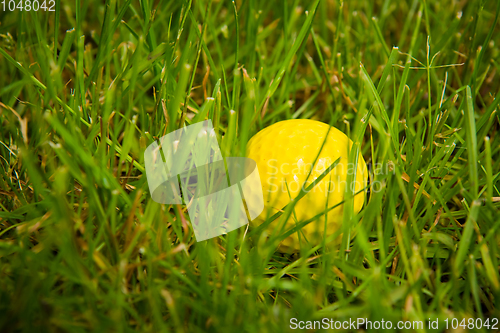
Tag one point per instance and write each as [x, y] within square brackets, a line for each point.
[86, 88]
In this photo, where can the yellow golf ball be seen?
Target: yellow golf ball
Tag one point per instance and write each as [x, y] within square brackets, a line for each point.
[285, 153]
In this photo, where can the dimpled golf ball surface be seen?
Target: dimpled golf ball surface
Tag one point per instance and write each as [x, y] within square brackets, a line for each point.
[285, 153]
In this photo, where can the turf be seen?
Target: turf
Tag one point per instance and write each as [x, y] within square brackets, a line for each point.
[86, 88]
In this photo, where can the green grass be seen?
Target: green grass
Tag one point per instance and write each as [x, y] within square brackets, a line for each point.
[85, 89]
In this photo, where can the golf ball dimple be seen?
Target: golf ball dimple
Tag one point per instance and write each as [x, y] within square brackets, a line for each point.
[285, 153]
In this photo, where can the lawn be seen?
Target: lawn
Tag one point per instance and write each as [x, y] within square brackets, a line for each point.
[86, 87]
